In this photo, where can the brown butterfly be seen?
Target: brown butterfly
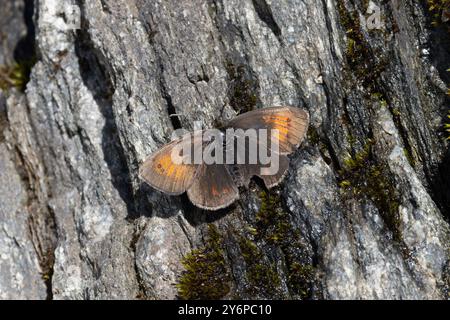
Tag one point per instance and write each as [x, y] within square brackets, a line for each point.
[215, 186]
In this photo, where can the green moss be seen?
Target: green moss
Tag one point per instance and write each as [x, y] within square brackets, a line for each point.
[252, 231]
[361, 61]
[206, 275]
[271, 220]
[436, 7]
[301, 278]
[313, 136]
[396, 112]
[242, 89]
[273, 226]
[351, 139]
[356, 49]
[16, 75]
[316, 140]
[409, 157]
[362, 176]
[262, 276]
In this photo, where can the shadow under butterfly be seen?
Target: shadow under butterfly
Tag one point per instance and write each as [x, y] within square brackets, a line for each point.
[215, 186]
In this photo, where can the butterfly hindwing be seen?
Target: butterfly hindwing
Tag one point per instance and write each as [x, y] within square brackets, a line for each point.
[271, 180]
[213, 188]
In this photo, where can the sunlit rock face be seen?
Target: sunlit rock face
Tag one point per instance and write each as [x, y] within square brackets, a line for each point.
[362, 214]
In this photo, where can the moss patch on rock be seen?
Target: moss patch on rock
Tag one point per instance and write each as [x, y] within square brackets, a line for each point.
[362, 61]
[301, 278]
[438, 8]
[262, 277]
[206, 274]
[274, 228]
[242, 88]
[363, 176]
[16, 75]
[447, 126]
[272, 222]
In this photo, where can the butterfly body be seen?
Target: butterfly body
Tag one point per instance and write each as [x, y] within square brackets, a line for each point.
[214, 185]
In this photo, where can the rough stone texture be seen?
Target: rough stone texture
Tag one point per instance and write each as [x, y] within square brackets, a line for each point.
[19, 266]
[103, 97]
[12, 29]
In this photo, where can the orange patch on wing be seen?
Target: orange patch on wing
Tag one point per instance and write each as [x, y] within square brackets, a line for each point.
[281, 134]
[165, 165]
[280, 119]
[165, 162]
[273, 118]
[279, 123]
[283, 130]
[214, 191]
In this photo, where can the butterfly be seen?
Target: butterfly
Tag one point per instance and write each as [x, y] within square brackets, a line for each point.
[214, 186]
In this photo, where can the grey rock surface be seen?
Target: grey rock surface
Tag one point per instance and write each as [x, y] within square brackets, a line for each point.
[362, 214]
[20, 272]
[12, 29]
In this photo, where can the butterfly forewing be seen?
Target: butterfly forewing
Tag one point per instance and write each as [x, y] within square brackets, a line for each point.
[164, 173]
[291, 123]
